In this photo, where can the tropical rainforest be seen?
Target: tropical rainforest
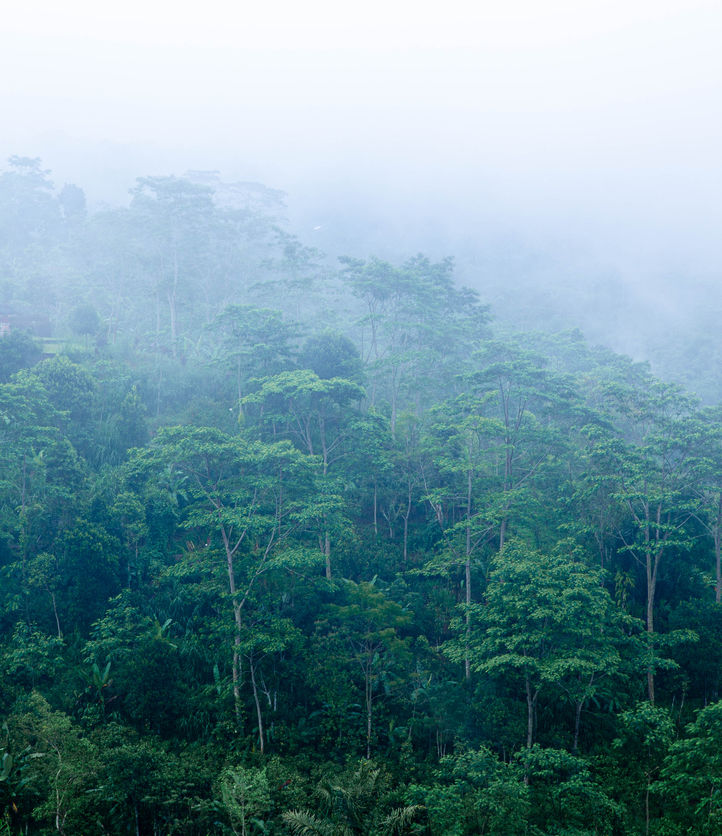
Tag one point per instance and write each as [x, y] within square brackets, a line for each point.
[293, 544]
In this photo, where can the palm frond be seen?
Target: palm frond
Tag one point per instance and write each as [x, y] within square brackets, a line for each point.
[303, 823]
[400, 820]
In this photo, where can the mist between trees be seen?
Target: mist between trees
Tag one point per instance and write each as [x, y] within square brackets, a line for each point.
[292, 544]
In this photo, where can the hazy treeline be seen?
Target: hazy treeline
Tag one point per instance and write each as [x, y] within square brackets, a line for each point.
[296, 547]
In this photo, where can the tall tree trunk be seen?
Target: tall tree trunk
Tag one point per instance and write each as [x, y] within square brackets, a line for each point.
[650, 621]
[326, 533]
[369, 709]
[718, 551]
[55, 612]
[406, 523]
[467, 571]
[394, 399]
[172, 294]
[577, 724]
[327, 553]
[530, 701]
[237, 617]
[261, 740]
[236, 669]
[502, 533]
[173, 322]
[653, 554]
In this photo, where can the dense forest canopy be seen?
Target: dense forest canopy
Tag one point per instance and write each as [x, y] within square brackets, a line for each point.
[300, 545]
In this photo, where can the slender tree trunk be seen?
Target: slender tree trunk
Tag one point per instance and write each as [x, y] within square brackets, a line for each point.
[55, 612]
[173, 307]
[59, 817]
[508, 462]
[652, 556]
[529, 715]
[718, 551]
[577, 724]
[327, 553]
[326, 534]
[369, 709]
[507, 479]
[237, 615]
[531, 698]
[394, 397]
[467, 571]
[239, 389]
[173, 324]
[530, 711]
[406, 524]
[650, 625]
[236, 669]
[261, 741]
[502, 533]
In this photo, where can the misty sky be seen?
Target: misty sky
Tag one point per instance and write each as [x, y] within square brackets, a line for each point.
[590, 124]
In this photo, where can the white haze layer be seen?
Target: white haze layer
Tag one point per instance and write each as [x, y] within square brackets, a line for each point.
[585, 133]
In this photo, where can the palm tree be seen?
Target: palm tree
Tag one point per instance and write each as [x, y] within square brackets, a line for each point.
[348, 806]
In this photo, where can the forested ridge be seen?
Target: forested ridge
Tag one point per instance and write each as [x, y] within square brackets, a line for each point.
[298, 545]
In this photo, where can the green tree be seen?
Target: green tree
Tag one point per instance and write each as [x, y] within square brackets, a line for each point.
[709, 488]
[690, 780]
[246, 499]
[29, 212]
[172, 241]
[473, 792]
[352, 804]
[546, 623]
[245, 797]
[565, 797]
[41, 481]
[64, 770]
[252, 342]
[535, 411]
[71, 389]
[417, 330]
[18, 350]
[462, 443]
[316, 415]
[645, 735]
[364, 633]
[652, 467]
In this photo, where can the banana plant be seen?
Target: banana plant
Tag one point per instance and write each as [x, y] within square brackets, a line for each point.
[98, 681]
[7, 766]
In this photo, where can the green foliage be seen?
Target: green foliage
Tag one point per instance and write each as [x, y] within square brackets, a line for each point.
[31, 658]
[84, 320]
[546, 622]
[564, 796]
[354, 803]
[18, 351]
[645, 735]
[173, 657]
[362, 640]
[690, 780]
[63, 767]
[245, 798]
[332, 355]
[473, 792]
